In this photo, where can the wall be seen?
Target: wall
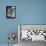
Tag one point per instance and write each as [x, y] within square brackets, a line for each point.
[31, 11]
[27, 12]
[6, 25]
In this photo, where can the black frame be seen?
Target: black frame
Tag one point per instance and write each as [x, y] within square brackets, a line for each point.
[7, 17]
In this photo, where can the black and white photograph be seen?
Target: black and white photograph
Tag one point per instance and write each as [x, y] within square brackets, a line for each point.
[10, 11]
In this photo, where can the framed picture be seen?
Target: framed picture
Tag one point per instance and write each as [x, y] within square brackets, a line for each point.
[10, 12]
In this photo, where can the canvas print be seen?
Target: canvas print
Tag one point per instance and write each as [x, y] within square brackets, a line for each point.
[10, 11]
